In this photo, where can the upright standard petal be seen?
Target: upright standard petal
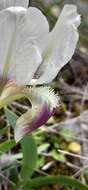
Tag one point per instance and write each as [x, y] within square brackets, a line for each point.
[20, 34]
[44, 102]
[60, 45]
[7, 37]
[10, 3]
[7, 28]
[27, 53]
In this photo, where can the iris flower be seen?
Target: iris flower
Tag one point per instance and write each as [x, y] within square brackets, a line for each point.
[32, 55]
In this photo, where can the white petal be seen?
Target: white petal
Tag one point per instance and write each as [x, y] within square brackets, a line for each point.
[10, 3]
[20, 33]
[7, 31]
[7, 28]
[60, 45]
[26, 60]
[38, 27]
[27, 56]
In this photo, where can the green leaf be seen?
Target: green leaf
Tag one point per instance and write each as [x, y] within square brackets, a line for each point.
[40, 162]
[29, 156]
[67, 134]
[86, 173]
[28, 148]
[43, 147]
[11, 117]
[2, 131]
[57, 156]
[6, 146]
[60, 180]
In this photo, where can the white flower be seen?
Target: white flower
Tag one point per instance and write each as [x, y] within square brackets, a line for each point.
[31, 55]
[10, 3]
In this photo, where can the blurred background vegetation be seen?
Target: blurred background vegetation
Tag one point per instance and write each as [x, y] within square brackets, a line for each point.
[63, 142]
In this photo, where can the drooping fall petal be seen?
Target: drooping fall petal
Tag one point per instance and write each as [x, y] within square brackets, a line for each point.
[44, 102]
[60, 45]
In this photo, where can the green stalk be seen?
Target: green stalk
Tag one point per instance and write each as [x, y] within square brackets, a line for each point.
[60, 180]
[29, 150]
